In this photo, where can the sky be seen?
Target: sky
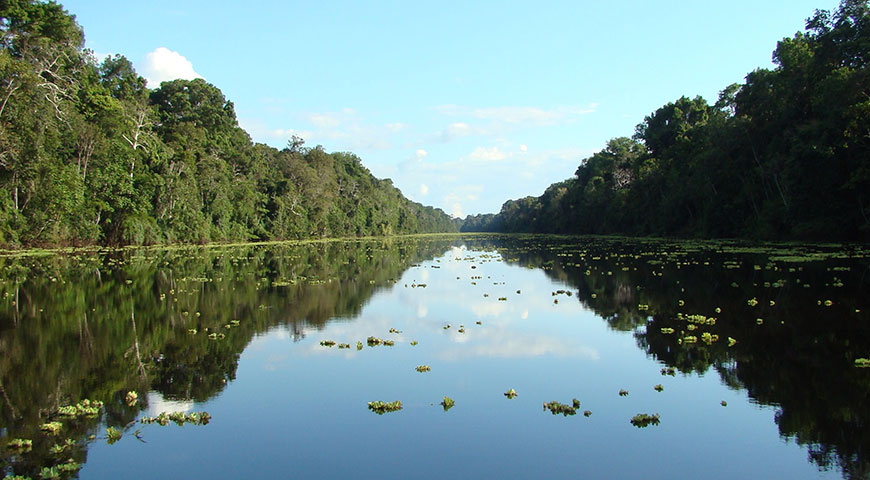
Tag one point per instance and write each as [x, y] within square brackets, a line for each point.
[463, 104]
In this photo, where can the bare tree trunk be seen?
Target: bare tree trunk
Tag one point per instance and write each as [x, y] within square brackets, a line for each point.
[136, 340]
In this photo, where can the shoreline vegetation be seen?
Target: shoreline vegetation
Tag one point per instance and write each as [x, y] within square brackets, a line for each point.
[89, 155]
[784, 155]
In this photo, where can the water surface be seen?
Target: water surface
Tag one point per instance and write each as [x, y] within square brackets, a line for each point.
[771, 390]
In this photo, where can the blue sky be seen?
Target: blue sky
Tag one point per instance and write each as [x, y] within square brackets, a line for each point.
[463, 104]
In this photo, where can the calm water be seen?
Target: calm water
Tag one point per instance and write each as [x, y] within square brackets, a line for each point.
[237, 332]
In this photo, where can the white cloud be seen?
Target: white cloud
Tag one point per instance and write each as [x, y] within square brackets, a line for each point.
[395, 127]
[324, 120]
[533, 116]
[164, 64]
[487, 154]
[524, 148]
[421, 154]
[424, 189]
[456, 130]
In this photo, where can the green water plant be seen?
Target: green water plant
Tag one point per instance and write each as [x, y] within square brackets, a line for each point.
[587, 413]
[643, 420]
[327, 343]
[658, 388]
[623, 393]
[131, 398]
[423, 368]
[383, 407]
[556, 408]
[51, 428]
[112, 435]
[343, 345]
[862, 362]
[20, 445]
[669, 371]
[447, 403]
[85, 408]
[511, 393]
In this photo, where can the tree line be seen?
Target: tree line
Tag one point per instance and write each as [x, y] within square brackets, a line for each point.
[90, 155]
[786, 154]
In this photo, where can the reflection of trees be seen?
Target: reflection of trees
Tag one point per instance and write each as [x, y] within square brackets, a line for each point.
[800, 359]
[97, 324]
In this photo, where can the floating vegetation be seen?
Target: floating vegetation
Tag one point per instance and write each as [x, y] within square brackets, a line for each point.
[20, 445]
[752, 302]
[393, 330]
[179, 418]
[658, 388]
[731, 342]
[343, 345]
[383, 407]
[413, 343]
[862, 362]
[327, 343]
[642, 420]
[587, 413]
[502, 299]
[623, 393]
[51, 428]
[511, 393]
[131, 398]
[709, 338]
[723, 403]
[85, 408]
[556, 408]
[667, 330]
[461, 329]
[447, 403]
[669, 371]
[112, 435]
[359, 345]
[374, 341]
[423, 368]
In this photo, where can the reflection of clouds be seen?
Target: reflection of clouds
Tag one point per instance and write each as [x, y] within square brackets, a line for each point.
[489, 309]
[157, 404]
[525, 315]
[422, 311]
[424, 276]
[501, 343]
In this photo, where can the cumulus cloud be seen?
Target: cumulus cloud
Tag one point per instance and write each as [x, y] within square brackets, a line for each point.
[164, 64]
[424, 189]
[421, 154]
[487, 154]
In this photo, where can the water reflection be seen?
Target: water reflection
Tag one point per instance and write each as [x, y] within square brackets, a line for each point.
[175, 323]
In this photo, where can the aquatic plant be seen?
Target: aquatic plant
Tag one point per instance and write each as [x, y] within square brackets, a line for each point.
[383, 407]
[413, 343]
[131, 398]
[511, 393]
[393, 330]
[731, 342]
[85, 408]
[862, 362]
[447, 403]
[423, 368]
[20, 445]
[327, 343]
[623, 393]
[642, 420]
[556, 408]
[359, 345]
[658, 388]
[723, 403]
[667, 330]
[587, 413]
[112, 435]
[343, 345]
[51, 428]
[669, 371]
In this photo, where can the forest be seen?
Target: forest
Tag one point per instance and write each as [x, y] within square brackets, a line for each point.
[784, 155]
[90, 155]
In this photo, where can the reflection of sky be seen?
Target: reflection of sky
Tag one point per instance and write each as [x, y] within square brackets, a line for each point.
[301, 407]
[158, 404]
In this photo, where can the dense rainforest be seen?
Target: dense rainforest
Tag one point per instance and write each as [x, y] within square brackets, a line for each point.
[90, 155]
[784, 155]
